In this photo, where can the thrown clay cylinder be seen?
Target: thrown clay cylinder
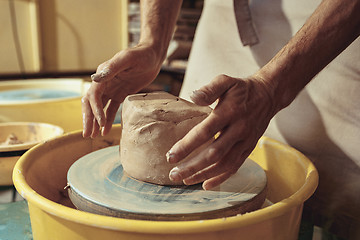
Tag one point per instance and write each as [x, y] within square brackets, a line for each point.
[151, 124]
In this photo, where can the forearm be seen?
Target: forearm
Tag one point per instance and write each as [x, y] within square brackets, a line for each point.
[158, 19]
[330, 29]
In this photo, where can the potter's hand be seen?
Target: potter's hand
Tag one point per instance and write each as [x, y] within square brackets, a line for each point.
[241, 116]
[126, 73]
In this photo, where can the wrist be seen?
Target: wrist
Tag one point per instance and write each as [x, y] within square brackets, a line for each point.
[158, 19]
[156, 48]
[276, 86]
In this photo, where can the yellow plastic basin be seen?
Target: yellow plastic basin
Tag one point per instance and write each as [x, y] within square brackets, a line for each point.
[64, 112]
[24, 135]
[40, 177]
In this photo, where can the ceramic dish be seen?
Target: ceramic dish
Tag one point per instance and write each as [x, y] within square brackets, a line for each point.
[18, 137]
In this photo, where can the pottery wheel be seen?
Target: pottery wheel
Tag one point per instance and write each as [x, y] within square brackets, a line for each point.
[99, 185]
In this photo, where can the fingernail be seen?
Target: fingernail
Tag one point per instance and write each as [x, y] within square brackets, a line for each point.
[187, 182]
[199, 96]
[104, 72]
[205, 186]
[174, 175]
[97, 76]
[170, 157]
[103, 131]
[198, 93]
[94, 77]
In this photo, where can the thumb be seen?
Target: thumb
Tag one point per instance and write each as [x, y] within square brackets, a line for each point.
[109, 69]
[209, 93]
[103, 73]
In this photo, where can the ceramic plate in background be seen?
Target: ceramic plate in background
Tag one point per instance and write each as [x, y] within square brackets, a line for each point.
[18, 137]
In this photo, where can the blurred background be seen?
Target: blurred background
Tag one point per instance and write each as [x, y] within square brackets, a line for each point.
[67, 38]
[58, 44]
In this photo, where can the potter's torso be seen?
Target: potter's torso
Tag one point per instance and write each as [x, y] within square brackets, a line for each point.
[324, 120]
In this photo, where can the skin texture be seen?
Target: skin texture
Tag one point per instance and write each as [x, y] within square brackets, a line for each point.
[245, 106]
[129, 70]
[240, 122]
[151, 124]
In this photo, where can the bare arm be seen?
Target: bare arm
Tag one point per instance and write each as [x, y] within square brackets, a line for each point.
[246, 105]
[330, 29]
[158, 19]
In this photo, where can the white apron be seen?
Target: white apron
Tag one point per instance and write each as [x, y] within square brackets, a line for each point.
[324, 120]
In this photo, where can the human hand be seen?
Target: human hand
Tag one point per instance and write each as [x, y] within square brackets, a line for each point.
[126, 73]
[243, 112]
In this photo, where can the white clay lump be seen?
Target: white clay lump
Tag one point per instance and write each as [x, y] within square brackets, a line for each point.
[151, 124]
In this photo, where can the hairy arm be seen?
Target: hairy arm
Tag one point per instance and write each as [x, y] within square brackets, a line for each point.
[129, 70]
[158, 19]
[246, 106]
[329, 30]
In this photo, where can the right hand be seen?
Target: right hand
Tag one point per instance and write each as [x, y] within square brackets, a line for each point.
[243, 112]
[126, 73]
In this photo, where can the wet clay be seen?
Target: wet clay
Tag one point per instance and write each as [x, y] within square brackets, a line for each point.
[151, 124]
[99, 185]
[11, 140]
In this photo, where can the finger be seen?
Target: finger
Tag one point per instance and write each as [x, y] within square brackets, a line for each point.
[110, 116]
[189, 168]
[229, 163]
[102, 74]
[196, 137]
[87, 117]
[109, 69]
[96, 102]
[215, 181]
[209, 127]
[95, 129]
[208, 94]
[196, 170]
[221, 171]
[225, 152]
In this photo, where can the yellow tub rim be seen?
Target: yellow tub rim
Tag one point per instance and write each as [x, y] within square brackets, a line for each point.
[52, 83]
[162, 227]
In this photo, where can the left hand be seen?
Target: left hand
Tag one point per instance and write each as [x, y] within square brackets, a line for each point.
[126, 73]
[243, 112]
